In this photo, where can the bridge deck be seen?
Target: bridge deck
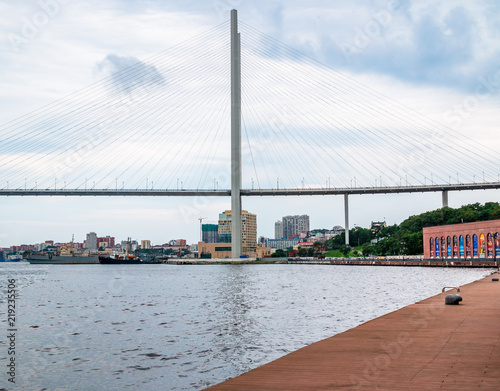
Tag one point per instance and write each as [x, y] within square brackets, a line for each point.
[248, 192]
[425, 346]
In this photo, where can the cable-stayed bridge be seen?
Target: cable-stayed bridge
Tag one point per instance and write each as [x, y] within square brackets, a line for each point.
[248, 116]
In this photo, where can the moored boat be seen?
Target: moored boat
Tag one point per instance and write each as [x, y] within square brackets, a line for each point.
[65, 255]
[152, 259]
[12, 258]
[125, 258]
[53, 259]
[120, 260]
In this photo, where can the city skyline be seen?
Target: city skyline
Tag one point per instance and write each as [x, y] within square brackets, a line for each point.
[159, 241]
[439, 59]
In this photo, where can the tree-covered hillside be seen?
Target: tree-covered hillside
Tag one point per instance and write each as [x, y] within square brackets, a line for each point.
[406, 238]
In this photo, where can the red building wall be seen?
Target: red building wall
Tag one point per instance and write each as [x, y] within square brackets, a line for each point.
[480, 240]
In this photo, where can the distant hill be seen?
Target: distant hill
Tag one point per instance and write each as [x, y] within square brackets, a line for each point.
[407, 239]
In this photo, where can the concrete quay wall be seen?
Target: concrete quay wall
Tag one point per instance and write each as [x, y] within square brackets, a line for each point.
[343, 261]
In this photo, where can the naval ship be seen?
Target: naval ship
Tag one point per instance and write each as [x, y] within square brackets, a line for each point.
[66, 255]
[54, 259]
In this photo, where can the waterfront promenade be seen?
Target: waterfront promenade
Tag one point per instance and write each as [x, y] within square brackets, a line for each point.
[424, 346]
[413, 262]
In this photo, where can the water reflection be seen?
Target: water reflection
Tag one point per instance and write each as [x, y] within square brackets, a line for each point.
[238, 333]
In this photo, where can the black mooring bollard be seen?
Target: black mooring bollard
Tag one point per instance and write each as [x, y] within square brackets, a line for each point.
[452, 299]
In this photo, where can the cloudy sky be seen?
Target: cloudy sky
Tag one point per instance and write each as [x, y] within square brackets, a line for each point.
[440, 59]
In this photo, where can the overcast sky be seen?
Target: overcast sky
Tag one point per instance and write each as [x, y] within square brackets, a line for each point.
[440, 58]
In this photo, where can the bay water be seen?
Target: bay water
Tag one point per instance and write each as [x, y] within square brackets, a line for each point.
[167, 327]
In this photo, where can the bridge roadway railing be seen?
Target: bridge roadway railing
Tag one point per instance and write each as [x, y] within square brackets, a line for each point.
[373, 190]
[249, 193]
[110, 192]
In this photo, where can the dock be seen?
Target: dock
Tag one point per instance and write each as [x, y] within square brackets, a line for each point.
[425, 346]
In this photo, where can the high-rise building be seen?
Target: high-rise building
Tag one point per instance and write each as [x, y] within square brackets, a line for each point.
[91, 242]
[106, 242]
[282, 244]
[278, 230]
[145, 244]
[210, 233]
[224, 227]
[294, 225]
[248, 227]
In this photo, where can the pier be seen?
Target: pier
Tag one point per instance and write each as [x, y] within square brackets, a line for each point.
[424, 346]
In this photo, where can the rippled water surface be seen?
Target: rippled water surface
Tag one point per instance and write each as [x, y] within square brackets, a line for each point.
[162, 327]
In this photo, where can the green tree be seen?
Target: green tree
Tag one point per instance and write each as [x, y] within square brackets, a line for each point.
[359, 236]
[319, 248]
[367, 249]
[345, 249]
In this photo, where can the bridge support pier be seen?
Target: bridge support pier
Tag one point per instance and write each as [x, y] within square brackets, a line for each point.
[236, 223]
[346, 214]
[445, 199]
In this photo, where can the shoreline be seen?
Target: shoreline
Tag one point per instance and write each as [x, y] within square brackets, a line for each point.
[411, 262]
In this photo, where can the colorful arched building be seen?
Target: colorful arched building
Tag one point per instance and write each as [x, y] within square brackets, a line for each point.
[467, 241]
